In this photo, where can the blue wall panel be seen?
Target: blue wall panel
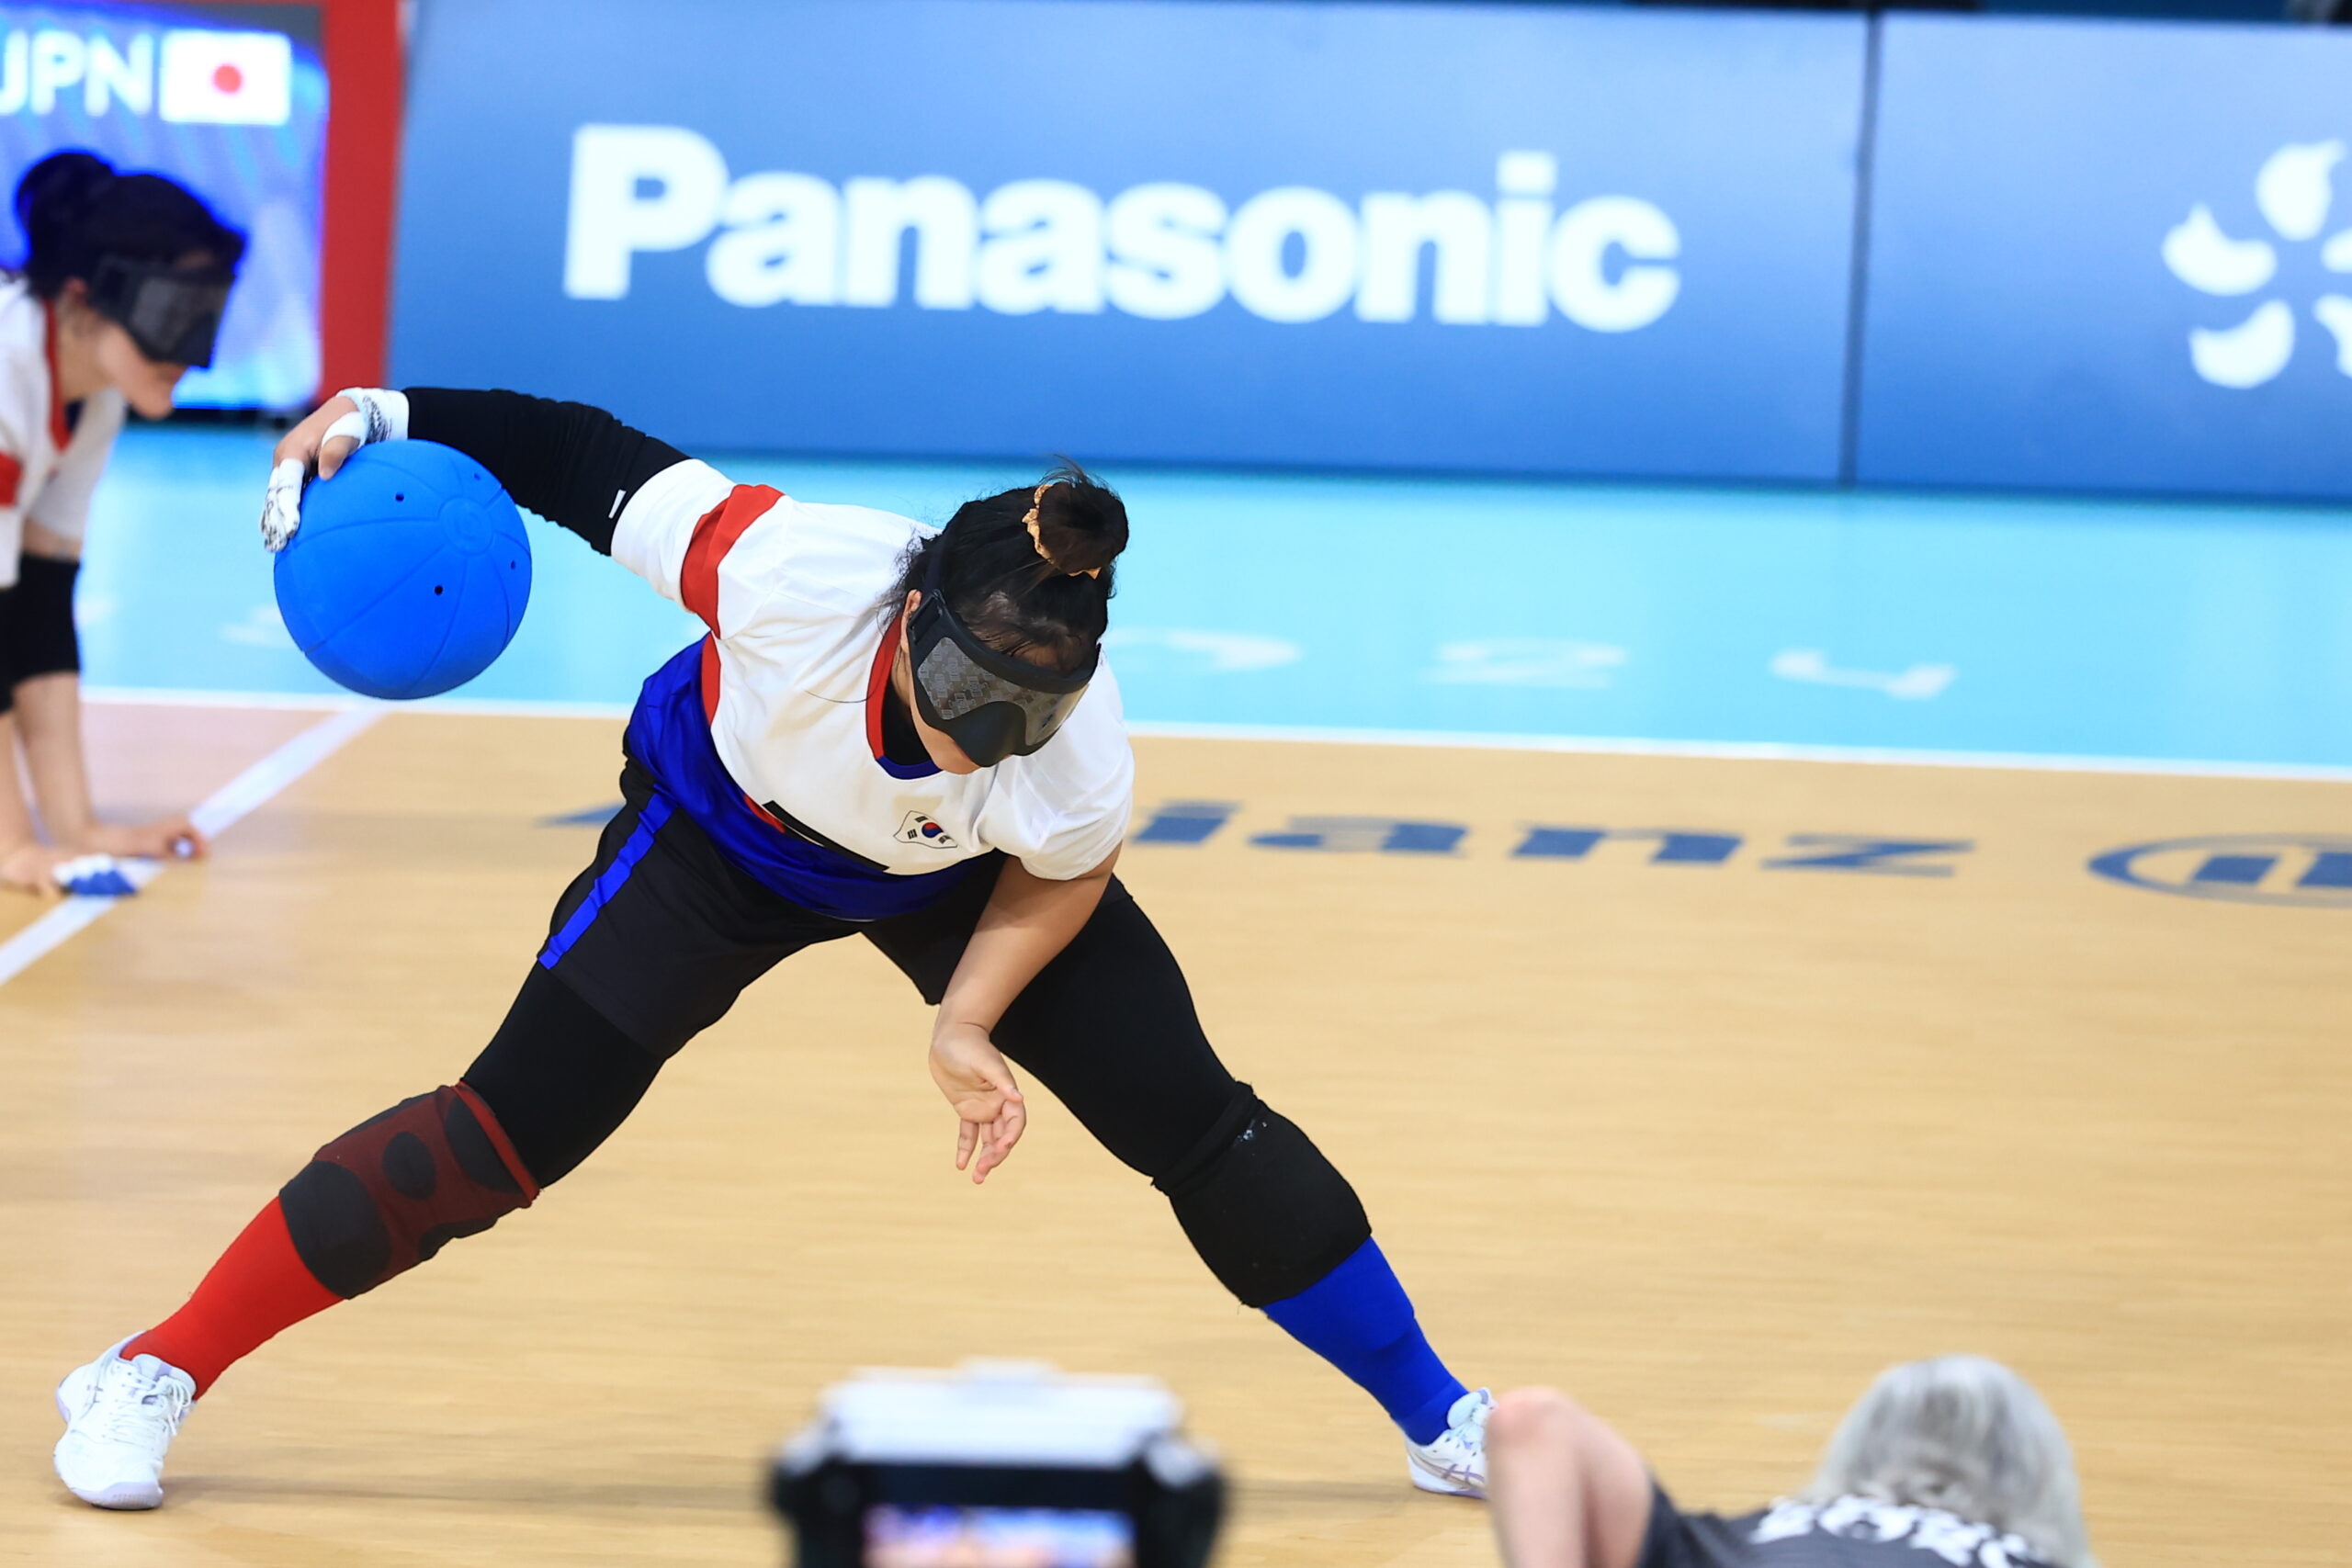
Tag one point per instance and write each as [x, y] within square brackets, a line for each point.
[2109, 256]
[2100, 255]
[1184, 231]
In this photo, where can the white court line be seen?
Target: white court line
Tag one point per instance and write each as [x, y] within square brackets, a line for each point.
[1754, 751]
[228, 804]
[331, 701]
[1583, 745]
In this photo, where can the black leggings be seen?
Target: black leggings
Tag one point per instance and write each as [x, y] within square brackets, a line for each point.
[561, 1078]
[655, 940]
[36, 635]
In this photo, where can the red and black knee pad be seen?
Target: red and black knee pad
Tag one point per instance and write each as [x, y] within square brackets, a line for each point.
[392, 1192]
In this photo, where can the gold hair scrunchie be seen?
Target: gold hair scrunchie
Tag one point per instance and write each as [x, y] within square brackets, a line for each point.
[1030, 523]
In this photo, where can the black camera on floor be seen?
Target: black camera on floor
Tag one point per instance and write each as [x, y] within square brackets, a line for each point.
[1000, 1465]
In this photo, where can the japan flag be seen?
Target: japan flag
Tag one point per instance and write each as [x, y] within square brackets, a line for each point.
[220, 78]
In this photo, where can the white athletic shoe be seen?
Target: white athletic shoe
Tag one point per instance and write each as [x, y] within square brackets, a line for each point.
[120, 1417]
[1455, 1462]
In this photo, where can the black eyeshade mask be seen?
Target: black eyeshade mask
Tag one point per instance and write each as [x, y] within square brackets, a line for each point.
[173, 315]
[992, 704]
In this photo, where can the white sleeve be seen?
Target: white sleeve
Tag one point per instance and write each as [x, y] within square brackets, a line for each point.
[709, 544]
[63, 504]
[23, 400]
[1068, 806]
[657, 527]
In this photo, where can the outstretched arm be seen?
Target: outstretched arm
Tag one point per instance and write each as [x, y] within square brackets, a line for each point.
[1028, 920]
[573, 465]
[25, 863]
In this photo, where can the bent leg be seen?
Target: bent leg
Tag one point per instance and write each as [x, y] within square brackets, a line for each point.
[389, 1194]
[555, 1082]
[1110, 1026]
[1566, 1490]
[650, 944]
[559, 1077]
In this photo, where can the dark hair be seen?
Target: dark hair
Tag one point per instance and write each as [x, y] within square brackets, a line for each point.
[74, 209]
[1013, 597]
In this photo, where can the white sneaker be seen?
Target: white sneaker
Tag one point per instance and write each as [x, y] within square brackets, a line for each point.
[120, 1417]
[1455, 1462]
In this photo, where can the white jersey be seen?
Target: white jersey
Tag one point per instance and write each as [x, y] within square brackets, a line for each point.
[790, 684]
[48, 465]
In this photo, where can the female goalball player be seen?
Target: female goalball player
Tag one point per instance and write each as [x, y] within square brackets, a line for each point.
[889, 732]
[122, 290]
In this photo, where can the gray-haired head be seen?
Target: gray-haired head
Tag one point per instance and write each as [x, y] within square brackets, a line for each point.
[1968, 1436]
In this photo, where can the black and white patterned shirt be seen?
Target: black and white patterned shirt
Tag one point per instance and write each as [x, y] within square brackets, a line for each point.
[1851, 1532]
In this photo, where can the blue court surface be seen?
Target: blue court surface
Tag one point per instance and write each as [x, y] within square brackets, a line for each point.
[1718, 620]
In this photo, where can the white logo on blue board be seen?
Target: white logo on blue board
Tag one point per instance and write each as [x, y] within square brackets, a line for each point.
[2293, 190]
[1163, 251]
[204, 76]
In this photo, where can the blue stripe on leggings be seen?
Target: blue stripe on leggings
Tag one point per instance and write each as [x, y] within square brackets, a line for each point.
[649, 822]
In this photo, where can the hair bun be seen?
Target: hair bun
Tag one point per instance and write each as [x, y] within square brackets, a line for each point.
[54, 191]
[1081, 523]
[76, 210]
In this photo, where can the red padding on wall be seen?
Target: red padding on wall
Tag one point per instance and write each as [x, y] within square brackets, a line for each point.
[364, 53]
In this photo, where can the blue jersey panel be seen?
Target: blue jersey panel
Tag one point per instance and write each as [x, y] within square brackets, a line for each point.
[670, 737]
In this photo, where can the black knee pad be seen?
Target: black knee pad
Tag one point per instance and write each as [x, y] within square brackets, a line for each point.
[41, 638]
[392, 1192]
[1266, 1211]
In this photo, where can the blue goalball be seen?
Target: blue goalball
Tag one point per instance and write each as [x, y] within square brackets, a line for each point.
[410, 572]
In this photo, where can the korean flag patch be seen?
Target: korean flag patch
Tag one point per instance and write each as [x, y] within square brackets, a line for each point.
[918, 828]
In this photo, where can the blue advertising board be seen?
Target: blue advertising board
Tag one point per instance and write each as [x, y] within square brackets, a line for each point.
[1533, 239]
[231, 101]
[2105, 257]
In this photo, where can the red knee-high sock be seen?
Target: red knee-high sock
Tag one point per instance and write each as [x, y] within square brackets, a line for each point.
[258, 1287]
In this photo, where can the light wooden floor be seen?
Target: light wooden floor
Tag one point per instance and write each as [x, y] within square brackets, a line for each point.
[1709, 1144]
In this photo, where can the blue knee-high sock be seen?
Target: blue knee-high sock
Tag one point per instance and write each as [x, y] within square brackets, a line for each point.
[1358, 1318]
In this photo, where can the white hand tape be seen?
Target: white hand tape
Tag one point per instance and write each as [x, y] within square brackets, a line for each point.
[281, 504]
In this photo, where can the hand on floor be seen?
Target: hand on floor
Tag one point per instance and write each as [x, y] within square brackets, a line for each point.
[33, 868]
[175, 838]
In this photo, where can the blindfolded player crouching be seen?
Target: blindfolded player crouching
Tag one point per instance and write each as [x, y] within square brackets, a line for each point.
[121, 291]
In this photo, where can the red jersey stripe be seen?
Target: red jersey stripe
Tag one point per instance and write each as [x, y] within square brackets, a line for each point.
[877, 682]
[711, 679]
[57, 430]
[710, 689]
[716, 535]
